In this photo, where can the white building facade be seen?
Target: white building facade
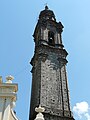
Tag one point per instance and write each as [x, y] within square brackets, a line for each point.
[8, 98]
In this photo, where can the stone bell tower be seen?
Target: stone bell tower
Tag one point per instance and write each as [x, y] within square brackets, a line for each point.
[49, 78]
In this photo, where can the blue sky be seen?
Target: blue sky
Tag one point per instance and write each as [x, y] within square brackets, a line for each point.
[17, 22]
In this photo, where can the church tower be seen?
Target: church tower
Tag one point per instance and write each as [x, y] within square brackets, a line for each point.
[49, 77]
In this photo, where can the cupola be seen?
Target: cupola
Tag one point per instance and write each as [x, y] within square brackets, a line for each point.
[48, 30]
[47, 14]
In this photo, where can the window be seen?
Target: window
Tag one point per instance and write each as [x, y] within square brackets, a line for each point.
[51, 38]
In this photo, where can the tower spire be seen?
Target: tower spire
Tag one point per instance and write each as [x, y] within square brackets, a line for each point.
[49, 79]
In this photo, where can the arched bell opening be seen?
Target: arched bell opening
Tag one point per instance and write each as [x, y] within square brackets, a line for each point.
[51, 40]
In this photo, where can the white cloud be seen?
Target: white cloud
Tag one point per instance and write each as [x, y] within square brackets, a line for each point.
[82, 109]
[87, 116]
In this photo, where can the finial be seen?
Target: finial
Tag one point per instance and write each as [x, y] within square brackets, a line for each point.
[9, 79]
[39, 109]
[39, 116]
[46, 7]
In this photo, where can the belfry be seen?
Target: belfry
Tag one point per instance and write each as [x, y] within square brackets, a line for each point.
[49, 78]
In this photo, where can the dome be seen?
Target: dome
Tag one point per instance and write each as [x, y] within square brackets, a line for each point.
[47, 14]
